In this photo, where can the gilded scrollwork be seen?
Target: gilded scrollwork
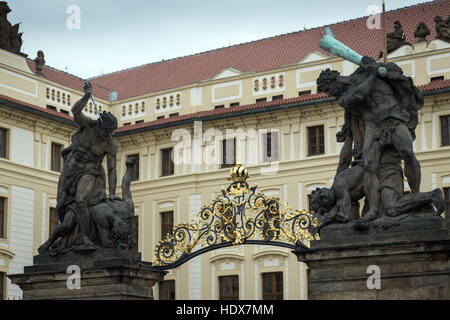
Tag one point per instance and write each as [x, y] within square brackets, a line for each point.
[239, 216]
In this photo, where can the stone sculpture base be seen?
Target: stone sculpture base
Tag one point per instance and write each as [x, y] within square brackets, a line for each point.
[107, 274]
[413, 258]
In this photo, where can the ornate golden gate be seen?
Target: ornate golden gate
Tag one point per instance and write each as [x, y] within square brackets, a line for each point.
[240, 216]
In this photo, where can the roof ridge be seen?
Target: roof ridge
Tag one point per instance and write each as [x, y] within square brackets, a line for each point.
[62, 71]
[258, 40]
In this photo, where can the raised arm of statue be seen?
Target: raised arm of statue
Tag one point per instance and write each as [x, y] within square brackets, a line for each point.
[77, 109]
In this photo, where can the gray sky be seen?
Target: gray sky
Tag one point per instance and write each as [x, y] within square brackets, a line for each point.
[115, 35]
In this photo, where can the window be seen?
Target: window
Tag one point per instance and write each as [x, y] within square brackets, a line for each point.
[280, 97]
[135, 171]
[272, 286]
[219, 107]
[139, 121]
[447, 203]
[167, 166]
[167, 290]
[228, 153]
[261, 100]
[135, 225]
[234, 104]
[302, 93]
[51, 107]
[2, 286]
[229, 288]
[316, 141]
[270, 146]
[3, 218]
[3, 143]
[173, 114]
[53, 220]
[64, 111]
[440, 78]
[56, 164]
[160, 117]
[445, 130]
[166, 223]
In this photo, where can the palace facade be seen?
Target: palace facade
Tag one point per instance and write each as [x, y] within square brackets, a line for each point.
[187, 121]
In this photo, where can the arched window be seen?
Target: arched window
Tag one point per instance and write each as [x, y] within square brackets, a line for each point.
[171, 101]
[48, 93]
[53, 94]
[164, 102]
[143, 106]
[64, 98]
[178, 99]
[158, 103]
[256, 85]
[281, 81]
[136, 108]
[264, 85]
[273, 82]
[68, 99]
[124, 110]
[58, 97]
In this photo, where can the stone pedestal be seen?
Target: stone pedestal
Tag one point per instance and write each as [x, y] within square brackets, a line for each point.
[111, 274]
[413, 260]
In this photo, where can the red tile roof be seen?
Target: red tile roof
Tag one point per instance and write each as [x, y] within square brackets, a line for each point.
[435, 85]
[69, 80]
[267, 54]
[429, 88]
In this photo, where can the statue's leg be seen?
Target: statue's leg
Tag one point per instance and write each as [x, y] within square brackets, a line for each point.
[371, 154]
[412, 202]
[60, 230]
[344, 201]
[342, 187]
[403, 142]
[85, 186]
[61, 195]
[390, 199]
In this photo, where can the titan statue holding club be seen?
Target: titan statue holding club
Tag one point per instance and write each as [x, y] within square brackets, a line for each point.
[82, 184]
[380, 118]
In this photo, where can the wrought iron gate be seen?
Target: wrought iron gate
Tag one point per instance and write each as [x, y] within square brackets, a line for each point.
[240, 216]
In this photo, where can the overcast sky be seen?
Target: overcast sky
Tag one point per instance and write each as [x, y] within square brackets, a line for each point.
[114, 35]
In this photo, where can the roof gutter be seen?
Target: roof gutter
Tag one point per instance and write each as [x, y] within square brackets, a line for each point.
[37, 112]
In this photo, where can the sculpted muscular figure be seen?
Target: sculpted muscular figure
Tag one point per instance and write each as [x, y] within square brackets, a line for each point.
[82, 182]
[387, 104]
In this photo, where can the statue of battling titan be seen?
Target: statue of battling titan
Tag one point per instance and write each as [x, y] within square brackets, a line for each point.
[88, 218]
[381, 106]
